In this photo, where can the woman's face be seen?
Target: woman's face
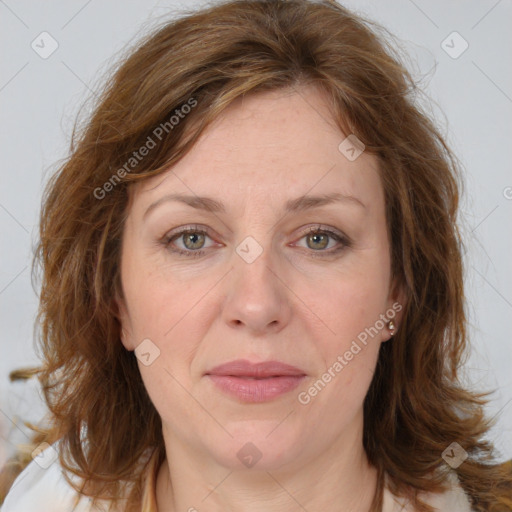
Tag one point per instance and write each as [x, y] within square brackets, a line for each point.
[251, 282]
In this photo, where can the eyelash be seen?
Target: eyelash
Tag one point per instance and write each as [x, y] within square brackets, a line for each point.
[338, 237]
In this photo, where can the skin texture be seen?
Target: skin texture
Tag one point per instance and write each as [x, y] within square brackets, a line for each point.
[290, 304]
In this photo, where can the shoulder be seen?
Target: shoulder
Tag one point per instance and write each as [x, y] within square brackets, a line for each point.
[454, 499]
[42, 486]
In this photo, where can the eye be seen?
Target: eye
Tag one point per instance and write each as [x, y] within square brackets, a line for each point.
[193, 240]
[317, 239]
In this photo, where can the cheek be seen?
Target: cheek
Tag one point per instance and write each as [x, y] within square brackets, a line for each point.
[163, 311]
[156, 301]
[352, 352]
[348, 357]
[351, 304]
[166, 311]
[351, 308]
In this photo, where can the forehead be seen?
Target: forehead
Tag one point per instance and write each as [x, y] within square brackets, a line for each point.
[284, 143]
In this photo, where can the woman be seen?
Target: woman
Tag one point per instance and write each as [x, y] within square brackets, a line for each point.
[252, 283]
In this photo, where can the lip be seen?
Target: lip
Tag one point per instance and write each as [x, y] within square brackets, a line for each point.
[265, 369]
[255, 382]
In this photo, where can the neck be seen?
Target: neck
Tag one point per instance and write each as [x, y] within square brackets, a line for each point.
[341, 479]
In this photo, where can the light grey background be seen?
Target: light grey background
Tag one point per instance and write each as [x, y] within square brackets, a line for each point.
[472, 100]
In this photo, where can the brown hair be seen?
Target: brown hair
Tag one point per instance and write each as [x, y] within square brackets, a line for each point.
[415, 407]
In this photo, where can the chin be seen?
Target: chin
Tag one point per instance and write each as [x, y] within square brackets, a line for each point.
[257, 450]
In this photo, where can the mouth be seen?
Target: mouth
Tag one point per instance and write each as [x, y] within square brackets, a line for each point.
[255, 382]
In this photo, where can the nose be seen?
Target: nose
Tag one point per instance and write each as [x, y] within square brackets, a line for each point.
[257, 298]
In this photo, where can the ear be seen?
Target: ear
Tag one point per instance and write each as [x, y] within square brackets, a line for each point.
[125, 326]
[397, 300]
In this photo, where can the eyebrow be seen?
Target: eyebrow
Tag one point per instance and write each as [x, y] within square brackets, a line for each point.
[301, 203]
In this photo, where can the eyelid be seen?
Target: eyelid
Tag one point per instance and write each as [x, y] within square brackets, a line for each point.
[322, 228]
[185, 229]
[339, 236]
[193, 228]
[334, 233]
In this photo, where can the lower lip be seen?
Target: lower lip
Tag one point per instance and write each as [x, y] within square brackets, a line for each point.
[256, 390]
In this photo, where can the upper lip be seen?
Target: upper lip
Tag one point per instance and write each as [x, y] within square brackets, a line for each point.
[244, 368]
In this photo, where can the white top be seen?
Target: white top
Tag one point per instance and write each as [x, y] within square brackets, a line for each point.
[41, 487]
